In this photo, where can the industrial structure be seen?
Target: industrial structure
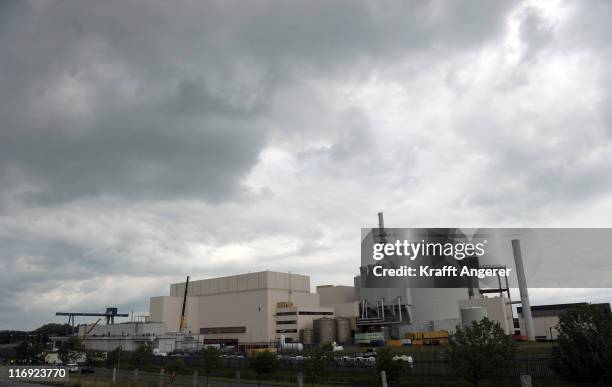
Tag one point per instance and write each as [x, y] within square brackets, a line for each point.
[395, 312]
[110, 315]
[275, 309]
[251, 309]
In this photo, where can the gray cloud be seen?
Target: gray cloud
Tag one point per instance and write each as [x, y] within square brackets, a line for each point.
[140, 142]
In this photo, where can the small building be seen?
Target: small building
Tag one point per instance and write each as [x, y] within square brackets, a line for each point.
[546, 318]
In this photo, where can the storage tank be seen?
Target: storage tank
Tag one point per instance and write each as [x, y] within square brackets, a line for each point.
[292, 346]
[472, 313]
[343, 330]
[306, 336]
[324, 330]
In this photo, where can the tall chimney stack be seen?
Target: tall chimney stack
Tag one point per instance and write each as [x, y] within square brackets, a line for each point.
[382, 235]
[522, 283]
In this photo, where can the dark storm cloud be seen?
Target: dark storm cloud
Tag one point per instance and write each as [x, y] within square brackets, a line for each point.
[142, 140]
[134, 99]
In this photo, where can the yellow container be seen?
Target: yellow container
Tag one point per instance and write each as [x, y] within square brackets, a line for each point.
[255, 351]
[427, 335]
[394, 343]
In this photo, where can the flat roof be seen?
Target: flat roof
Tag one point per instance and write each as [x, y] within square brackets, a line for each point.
[244, 282]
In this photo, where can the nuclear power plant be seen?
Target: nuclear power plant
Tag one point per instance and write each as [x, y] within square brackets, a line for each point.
[278, 310]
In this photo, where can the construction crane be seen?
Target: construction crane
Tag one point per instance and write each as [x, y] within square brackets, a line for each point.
[182, 321]
[87, 332]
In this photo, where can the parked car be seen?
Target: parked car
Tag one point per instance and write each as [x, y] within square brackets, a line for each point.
[88, 370]
[72, 367]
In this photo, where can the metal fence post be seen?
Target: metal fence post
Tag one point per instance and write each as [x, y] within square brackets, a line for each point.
[238, 378]
[135, 375]
[383, 378]
[161, 377]
[195, 379]
[300, 379]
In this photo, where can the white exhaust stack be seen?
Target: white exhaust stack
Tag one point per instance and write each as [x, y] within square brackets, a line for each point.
[382, 236]
[522, 283]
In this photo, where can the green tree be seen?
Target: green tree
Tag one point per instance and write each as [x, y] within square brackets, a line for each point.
[53, 329]
[141, 356]
[317, 365]
[583, 352]
[263, 363]
[211, 361]
[69, 350]
[93, 358]
[22, 352]
[385, 362]
[36, 353]
[114, 357]
[479, 350]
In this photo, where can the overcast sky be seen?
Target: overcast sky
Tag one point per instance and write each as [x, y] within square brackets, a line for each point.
[143, 141]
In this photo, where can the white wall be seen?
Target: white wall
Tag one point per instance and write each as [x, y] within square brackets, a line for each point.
[330, 294]
[541, 326]
[125, 329]
[429, 304]
[247, 300]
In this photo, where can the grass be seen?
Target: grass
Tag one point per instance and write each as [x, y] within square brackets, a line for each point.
[440, 381]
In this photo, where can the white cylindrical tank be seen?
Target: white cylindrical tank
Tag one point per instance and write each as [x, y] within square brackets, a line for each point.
[473, 313]
[292, 346]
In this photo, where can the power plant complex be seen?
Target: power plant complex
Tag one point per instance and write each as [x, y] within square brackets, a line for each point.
[271, 309]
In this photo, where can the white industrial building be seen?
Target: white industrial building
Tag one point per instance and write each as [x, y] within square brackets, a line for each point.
[241, 309]
[130, 335]
[258, 309]
[343, 299]
[290, 320]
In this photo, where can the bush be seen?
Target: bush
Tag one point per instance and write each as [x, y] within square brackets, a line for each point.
[319, 362]
[385, 362]
[263, 363]
[479, 350]
[211, 361]
[584, 345]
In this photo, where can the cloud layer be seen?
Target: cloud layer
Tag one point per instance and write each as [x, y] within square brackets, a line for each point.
[141, 142]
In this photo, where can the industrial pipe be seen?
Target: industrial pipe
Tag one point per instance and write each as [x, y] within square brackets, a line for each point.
[399, 306]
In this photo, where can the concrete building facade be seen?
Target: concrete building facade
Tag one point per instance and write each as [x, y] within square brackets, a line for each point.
[342, 299]
[233, 309]
[291, 320]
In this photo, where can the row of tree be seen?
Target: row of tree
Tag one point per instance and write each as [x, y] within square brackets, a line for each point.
[38, 335]
[582, 352]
